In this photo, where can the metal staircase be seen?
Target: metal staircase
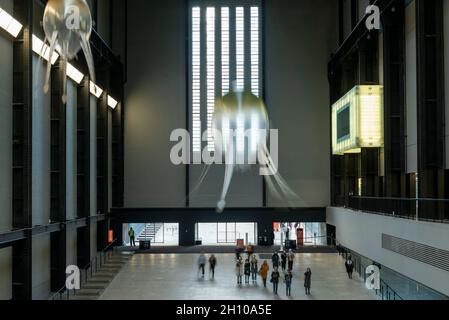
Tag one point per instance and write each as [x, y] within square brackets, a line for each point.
[150, 231]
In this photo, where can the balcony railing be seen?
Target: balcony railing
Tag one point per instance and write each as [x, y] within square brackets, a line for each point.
[432, 210]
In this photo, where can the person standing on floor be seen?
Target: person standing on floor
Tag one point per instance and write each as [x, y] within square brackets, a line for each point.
[131, 237]
[239, 271]
[275, 280]
[275, 260]
[288, 283]
[264, 272]
[283, 260]
[254, 268]
[212, 264]
[308, 280]
[247, 271]
[201, 263]
[290, 259]
[349, 267]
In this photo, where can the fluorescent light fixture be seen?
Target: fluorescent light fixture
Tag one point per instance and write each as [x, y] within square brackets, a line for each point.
[357, 120]
[10, 24]
[74, 74]
[112, 102]
[95, 90]
[43, 50]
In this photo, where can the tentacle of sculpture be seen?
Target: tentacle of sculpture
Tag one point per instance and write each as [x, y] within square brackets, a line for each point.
[64, 72]
[88, 55]
[229, 171]
[277, 182]
[199, 182]
[52, 41]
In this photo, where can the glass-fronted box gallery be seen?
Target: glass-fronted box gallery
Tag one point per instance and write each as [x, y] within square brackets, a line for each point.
[226, 234]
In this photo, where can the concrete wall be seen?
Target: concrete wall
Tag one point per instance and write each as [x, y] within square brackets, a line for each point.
[93, 155]
[6, 274]
[411, 87]
[363, 4]
[362, 232]
[40, 147]
[6, 49]
[297, 93]
[103, 20]
[41, 267]
[347, 23]
[109, 158]
[297, 99]
[71, 151]
[155, 103]
[93, 241]
[71, 254]
[446, 72]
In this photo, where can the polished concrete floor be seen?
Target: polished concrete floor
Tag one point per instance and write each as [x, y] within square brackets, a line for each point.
[175, 277]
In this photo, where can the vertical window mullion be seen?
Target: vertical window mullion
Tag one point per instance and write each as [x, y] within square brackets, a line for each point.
[240, 46]
[218, 55]
[247, 47]
[225, 51]
[232, 47]
[255, 50]
[196, 79]
[210, 73]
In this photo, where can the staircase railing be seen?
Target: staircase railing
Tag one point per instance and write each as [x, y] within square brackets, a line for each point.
[90, 269]
[157, 227]
[385, 292]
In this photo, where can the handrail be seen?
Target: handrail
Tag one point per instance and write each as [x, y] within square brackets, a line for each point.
[343, 251]
[419, 209]
[93, 262]
[400, 199]
[388, 296]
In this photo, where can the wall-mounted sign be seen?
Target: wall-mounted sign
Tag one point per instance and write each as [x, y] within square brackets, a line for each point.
[357, 120]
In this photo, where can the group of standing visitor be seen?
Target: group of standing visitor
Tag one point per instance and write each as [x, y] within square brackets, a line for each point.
[249, 270]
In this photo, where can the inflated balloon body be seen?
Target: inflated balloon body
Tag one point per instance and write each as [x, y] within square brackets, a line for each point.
[241, 130]
[68, 26]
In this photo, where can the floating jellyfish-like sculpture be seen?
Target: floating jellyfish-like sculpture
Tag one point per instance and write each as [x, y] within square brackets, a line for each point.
[68, 26]
[241, 133]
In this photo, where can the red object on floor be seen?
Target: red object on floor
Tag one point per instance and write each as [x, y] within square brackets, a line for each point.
[300, 236]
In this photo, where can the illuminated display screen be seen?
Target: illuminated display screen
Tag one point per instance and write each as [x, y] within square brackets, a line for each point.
[343, 124]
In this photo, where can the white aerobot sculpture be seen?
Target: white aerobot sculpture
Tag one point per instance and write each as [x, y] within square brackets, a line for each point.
[241, 133]
[68, 25]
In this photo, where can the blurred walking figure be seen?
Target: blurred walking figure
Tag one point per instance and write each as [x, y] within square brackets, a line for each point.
[131, 237]
[264, 272]
[275, 280]
[349, 267]
[201, 263]
[288, 283]
[239, 270]
[275, 260]
[290, 259]
[308, 280]
[254, 268]
[247, 270]
[212, 264]
[283, 260]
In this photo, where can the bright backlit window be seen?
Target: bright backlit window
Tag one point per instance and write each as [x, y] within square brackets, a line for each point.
[225, 46]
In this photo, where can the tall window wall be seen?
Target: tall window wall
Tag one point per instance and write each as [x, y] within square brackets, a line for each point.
[225, 48]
